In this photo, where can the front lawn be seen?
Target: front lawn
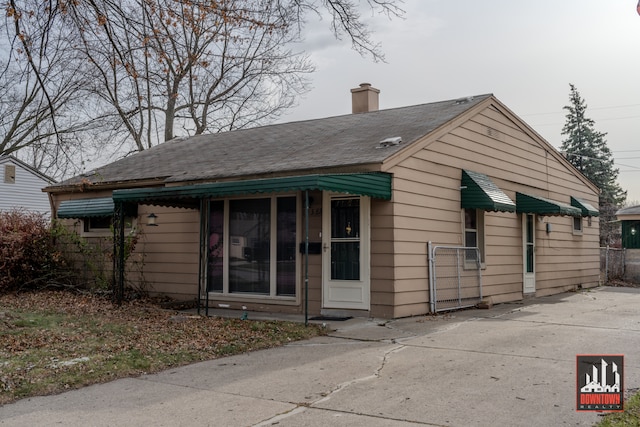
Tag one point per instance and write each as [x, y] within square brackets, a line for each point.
[51, 341]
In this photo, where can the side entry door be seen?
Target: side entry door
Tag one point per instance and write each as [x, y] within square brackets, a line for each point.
[529, 253]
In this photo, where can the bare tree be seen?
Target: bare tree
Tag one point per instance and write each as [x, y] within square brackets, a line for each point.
[346, 19]
[39, 88]
[139, 72]
[162, 65]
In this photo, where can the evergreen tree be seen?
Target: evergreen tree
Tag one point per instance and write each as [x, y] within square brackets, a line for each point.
[587, 150]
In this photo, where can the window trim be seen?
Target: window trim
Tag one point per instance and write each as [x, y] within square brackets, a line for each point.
[574, 230]
[272, 297]
[9, 174]
[480, 235]
[107, 232]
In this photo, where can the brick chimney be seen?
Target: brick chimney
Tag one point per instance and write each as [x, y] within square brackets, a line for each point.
[364, 98]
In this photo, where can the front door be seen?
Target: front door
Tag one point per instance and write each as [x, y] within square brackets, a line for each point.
[529, 253]
[345, 252]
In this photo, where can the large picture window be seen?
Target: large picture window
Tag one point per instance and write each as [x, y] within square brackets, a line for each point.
[252, 246]
[216, 246]
[286, 247]
[249, 222]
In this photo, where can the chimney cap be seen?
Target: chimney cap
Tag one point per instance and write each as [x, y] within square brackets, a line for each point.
[365, 86]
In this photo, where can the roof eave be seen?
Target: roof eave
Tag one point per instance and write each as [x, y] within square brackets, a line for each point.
[101, 186]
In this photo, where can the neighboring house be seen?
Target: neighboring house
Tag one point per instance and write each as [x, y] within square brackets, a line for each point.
[629, 218]
[21, 187]
[233, 219]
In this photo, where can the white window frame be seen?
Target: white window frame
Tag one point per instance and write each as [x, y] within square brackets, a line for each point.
[108, 231]
[479, 230]
[10, 174]
[272, 298]
[577, 220]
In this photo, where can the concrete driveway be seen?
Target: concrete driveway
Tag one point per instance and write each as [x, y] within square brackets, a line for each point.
[512, 365]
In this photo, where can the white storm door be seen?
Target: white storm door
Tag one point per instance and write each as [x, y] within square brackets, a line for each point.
[345, 252]
[529, 253]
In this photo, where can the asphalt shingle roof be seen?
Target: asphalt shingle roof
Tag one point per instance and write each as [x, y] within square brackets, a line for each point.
[339, 141]
[630, 210]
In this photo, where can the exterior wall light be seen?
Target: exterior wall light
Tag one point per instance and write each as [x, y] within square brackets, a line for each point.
[151, 220]
[633, 231]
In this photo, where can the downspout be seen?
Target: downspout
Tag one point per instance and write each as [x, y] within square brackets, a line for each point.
[306, 257]
[53, 207]
[479, 267]
[432, 287]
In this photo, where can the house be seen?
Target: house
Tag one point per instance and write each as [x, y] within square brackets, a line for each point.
[629, 218]
[21, 187]
[343, 215]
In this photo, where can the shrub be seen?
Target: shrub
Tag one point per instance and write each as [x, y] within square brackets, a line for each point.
[28, 256]
[89, 260]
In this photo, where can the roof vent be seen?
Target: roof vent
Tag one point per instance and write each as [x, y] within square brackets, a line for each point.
[388, 142]
[464, 100]
[179, 139]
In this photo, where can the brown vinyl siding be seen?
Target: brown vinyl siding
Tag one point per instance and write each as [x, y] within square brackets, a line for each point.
[427, 208]
[171, 251]
[382, 287]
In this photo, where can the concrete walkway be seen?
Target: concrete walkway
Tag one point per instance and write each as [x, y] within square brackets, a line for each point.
[512, 365]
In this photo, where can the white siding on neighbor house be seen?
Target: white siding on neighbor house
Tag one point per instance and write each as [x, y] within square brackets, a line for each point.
[25, 192]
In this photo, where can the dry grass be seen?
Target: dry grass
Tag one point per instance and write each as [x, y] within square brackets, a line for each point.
[629, 418]
[53, 341]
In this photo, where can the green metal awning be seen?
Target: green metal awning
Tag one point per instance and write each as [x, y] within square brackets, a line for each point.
[375, 184]
[586, 208]
[85, 208]
[539, 205]
[479, 192]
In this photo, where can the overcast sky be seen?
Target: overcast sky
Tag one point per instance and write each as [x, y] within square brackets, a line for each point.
[524, 52]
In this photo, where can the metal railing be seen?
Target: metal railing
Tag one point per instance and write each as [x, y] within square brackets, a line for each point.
[455, 278]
